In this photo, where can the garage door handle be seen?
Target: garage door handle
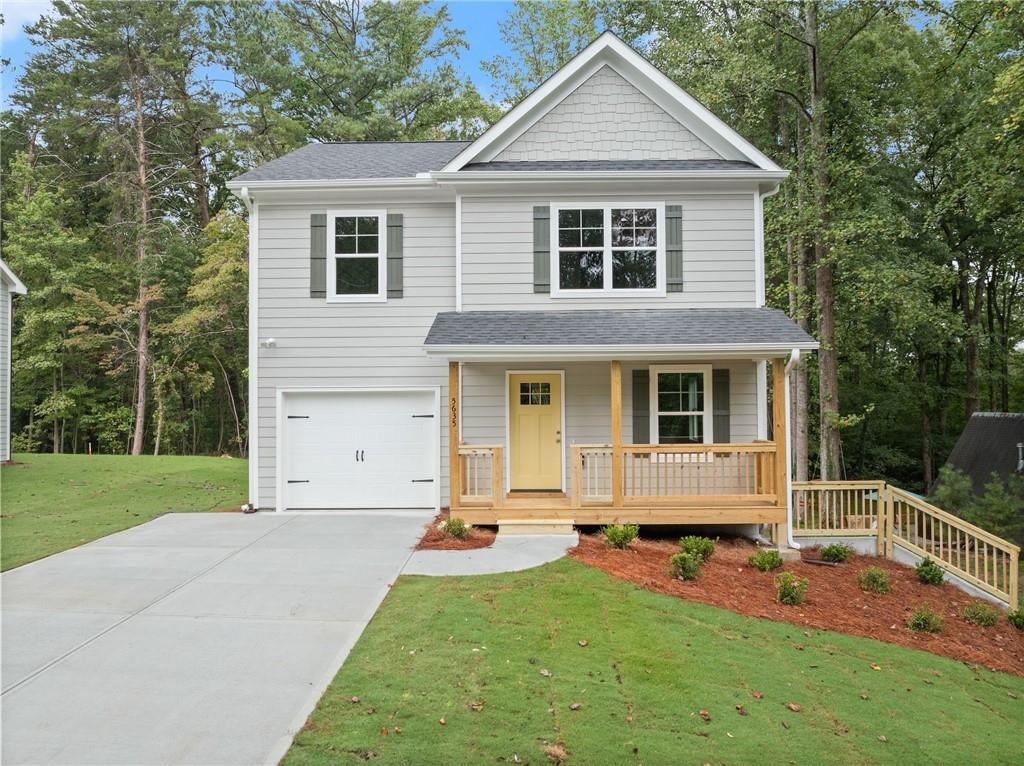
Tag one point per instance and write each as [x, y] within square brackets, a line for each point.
[423, 416]
[422, 481]
[298, 481]
[362, 456]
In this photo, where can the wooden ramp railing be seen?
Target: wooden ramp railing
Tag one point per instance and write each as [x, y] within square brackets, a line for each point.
[896, 517]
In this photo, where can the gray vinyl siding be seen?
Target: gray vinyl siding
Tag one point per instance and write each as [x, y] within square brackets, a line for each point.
[5, 364]
[588, 401]
[718, 254]
[369, 345]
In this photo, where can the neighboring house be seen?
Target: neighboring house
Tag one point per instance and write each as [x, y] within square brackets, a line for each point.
[991, 443]
[569, 309]
[9, 286]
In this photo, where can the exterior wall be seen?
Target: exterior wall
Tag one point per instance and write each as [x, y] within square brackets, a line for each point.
[5, 371]
[719, 268]
[371, 345]
[606, 118]
[587, 397]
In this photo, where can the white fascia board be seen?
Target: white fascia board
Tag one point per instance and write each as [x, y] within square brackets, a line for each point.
[468, 178]
[479, 353]
[420, 181]
[15, 284]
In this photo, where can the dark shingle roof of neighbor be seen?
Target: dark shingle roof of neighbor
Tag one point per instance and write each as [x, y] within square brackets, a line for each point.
[636, 327]
[357, 159]
[988, 444]
[599, 165]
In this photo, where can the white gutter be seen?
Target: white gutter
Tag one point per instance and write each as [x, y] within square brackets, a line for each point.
[794, 359]
[254, 389]
[530, 176]
[314, 184]
[473, 352]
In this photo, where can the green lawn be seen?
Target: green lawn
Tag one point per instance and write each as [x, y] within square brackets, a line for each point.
[49, 503]
[439, 647]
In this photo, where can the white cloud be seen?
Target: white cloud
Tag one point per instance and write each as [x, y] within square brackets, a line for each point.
[18, 13]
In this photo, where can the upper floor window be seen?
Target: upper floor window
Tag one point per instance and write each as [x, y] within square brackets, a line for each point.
[356, 256]
[608, 250]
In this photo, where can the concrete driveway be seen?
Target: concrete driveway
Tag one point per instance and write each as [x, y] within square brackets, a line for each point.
[193, 639]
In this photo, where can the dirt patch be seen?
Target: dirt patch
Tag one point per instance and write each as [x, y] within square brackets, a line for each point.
[436, 540]
[834, 600]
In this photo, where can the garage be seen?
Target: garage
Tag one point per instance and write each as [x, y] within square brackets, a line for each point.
[359, 449]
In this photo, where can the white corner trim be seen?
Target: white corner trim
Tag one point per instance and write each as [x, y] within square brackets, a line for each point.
[458, 256]
[254, 348]
[759, 270]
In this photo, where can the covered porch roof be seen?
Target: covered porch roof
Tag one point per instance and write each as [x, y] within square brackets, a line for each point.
[616, 334]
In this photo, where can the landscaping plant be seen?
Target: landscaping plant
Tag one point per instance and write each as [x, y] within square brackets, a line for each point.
[874, 580]
[929, 572]
[766, 560]
[686, 566]
[456, 528]
[702, 547]
[836, 552]
[620, 535]
[791, 589]
[925, 620]
[1016, 618]
[980, 613]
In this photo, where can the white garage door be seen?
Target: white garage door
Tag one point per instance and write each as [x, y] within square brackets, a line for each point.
[360, 450]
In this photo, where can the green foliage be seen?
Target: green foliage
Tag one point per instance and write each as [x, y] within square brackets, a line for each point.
[924, 619]
[980, 613]
[686, 566]
[766, 560]
[620, 535]
[1016, 618]
[836, 552]
[455, 527]
[791, 589]
[929, 572]
[874, 580]
[700, 547]
[999, 509]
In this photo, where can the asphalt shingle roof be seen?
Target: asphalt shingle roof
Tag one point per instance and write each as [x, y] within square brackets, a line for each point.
[599, 165]
[988, 445]
[637, 327]
[357, 159]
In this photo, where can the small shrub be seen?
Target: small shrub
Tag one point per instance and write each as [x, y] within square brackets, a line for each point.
[874, 580]
[980, 613]
[836, 552]
[1016, 618]
[701, 547]
[766, 560]
[620, 535]
[791, 589]
[924, 619]
[929, 572]
[686, 566]
[456, 528]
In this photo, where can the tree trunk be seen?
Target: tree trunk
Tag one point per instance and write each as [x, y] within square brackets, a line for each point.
[926, 423]
[56, 421]
[142, 345]
[158, 392]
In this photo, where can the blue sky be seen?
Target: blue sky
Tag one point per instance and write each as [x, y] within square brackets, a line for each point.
[478, 18]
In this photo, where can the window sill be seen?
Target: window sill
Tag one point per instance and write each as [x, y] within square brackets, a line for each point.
[608, 294]
[356, 299]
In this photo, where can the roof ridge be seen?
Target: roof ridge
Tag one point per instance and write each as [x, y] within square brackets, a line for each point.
[396, 141]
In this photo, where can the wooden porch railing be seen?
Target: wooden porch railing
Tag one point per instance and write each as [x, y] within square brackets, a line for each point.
[895, 517]
[655, 474]
[481, 467]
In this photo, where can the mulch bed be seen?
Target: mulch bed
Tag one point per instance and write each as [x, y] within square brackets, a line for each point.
[834, 600]
[436, 540]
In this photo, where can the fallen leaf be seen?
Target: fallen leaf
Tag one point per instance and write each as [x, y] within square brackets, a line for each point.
[575, 706]
[757, 695]
[705, 715]
[729, 638]
[384, 731]
[875, 666]
[476, 707]
[441, 722]
[741, 710]
[793, 706]
[882, 738]
[729, 735]
[398, 730]
[546, 673]
[355, 700]
[864, 696]
[583, 642]
[785, 725]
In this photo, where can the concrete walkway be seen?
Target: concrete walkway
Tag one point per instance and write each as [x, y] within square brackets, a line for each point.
[509, 553]
[193, 639]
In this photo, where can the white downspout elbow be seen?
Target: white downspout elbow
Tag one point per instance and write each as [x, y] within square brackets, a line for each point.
[794, 359]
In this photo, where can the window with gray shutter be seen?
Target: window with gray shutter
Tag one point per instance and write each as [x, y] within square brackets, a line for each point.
[318, 255]
[720, 405]
[542, 249]
[395, 267]
[641, 407]
[674, 248]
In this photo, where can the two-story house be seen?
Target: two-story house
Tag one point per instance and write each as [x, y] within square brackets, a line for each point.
[563, 320]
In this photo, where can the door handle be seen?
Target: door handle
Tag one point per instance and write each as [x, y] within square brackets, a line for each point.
[362, 456]
[357, 456]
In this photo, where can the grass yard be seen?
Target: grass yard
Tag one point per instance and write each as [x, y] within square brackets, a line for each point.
[49, 503]
[476, 651]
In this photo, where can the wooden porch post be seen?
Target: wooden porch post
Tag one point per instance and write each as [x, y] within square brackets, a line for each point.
[454, 469]
[781, 531]
[616, 370]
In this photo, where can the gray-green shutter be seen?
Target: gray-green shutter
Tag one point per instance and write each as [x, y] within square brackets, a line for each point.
[720, 405]
[674, 248]
[318, 255]
[395, 268]
[641, 407]
[542, 249]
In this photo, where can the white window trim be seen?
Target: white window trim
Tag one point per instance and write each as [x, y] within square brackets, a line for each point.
[381, 256]
[608, 291]
[708, 412]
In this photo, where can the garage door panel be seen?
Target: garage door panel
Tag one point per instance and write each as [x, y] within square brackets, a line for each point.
[360, 450]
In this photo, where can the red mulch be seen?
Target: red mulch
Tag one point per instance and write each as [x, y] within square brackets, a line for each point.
[436, 540]
[834, 600]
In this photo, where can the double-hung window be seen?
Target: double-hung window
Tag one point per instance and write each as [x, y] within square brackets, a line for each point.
[608, 249]
[681, 410]
[356, 256]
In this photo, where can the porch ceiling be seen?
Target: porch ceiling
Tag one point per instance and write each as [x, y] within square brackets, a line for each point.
[616, 334]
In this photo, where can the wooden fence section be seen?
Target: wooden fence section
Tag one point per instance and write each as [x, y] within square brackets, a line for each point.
[481, 469]
[896, 517]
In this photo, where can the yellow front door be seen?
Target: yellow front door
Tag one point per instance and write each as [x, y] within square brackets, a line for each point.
[535, 431]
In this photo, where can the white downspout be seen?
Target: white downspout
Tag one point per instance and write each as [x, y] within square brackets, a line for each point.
[253, 210]
[794, 359]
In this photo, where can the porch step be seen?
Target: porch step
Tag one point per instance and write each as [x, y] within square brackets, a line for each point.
[535, 527]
